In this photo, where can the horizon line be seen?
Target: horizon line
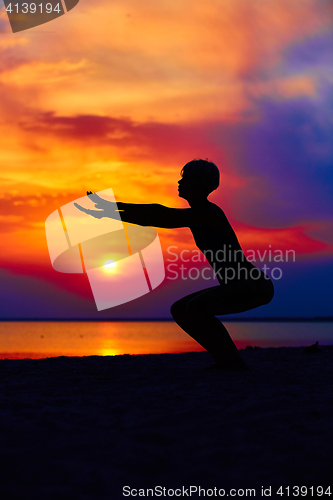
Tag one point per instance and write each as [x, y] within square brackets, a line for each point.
[233, 319]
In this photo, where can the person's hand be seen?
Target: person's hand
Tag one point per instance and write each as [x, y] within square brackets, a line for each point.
[104, 206]
[98, 214]
[99, 202]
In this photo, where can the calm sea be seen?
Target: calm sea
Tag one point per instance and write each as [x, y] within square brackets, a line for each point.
[87, 338]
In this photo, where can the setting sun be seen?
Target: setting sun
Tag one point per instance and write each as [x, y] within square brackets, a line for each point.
[110, 264]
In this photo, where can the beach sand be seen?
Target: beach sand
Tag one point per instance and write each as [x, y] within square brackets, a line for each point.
[82, 428]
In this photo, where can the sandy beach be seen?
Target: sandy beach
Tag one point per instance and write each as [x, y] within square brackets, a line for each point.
[83, 428]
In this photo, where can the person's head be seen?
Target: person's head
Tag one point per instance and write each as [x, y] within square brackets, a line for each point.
[199, 179]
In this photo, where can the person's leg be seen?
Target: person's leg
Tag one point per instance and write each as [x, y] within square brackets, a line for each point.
[206, 329]
[179, 312]
[195, 314]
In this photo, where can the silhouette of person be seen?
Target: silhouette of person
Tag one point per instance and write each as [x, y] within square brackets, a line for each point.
[241, 287]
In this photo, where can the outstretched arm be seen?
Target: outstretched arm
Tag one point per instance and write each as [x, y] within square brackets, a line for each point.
[155, 215]
[144, 215]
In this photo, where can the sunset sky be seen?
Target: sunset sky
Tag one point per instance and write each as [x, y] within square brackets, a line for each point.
[122, 94]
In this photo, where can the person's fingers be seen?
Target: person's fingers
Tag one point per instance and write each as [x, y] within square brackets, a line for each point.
[94, 213]
[81, 208]
[97, 199]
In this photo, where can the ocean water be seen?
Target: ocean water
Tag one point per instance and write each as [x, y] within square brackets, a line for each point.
[87, 338]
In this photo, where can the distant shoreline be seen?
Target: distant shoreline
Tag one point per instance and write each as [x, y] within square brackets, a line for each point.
[315, 319]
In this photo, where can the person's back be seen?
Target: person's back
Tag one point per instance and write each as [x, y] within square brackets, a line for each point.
[215, 237]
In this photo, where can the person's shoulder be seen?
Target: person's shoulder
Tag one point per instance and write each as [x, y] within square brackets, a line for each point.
[207, 208]
[209, 215]
[213, 206]
[218, 217]
[216, 210]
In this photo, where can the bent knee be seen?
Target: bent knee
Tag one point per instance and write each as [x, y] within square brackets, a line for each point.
[269, 293]
[194, 308]
[177, 310]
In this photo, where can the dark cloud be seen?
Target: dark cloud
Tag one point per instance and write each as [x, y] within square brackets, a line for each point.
[291, 148]
[80, 127]
[315, 52]
[159, 141]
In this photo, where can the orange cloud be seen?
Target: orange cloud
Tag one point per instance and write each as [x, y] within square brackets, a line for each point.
[183, 61]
